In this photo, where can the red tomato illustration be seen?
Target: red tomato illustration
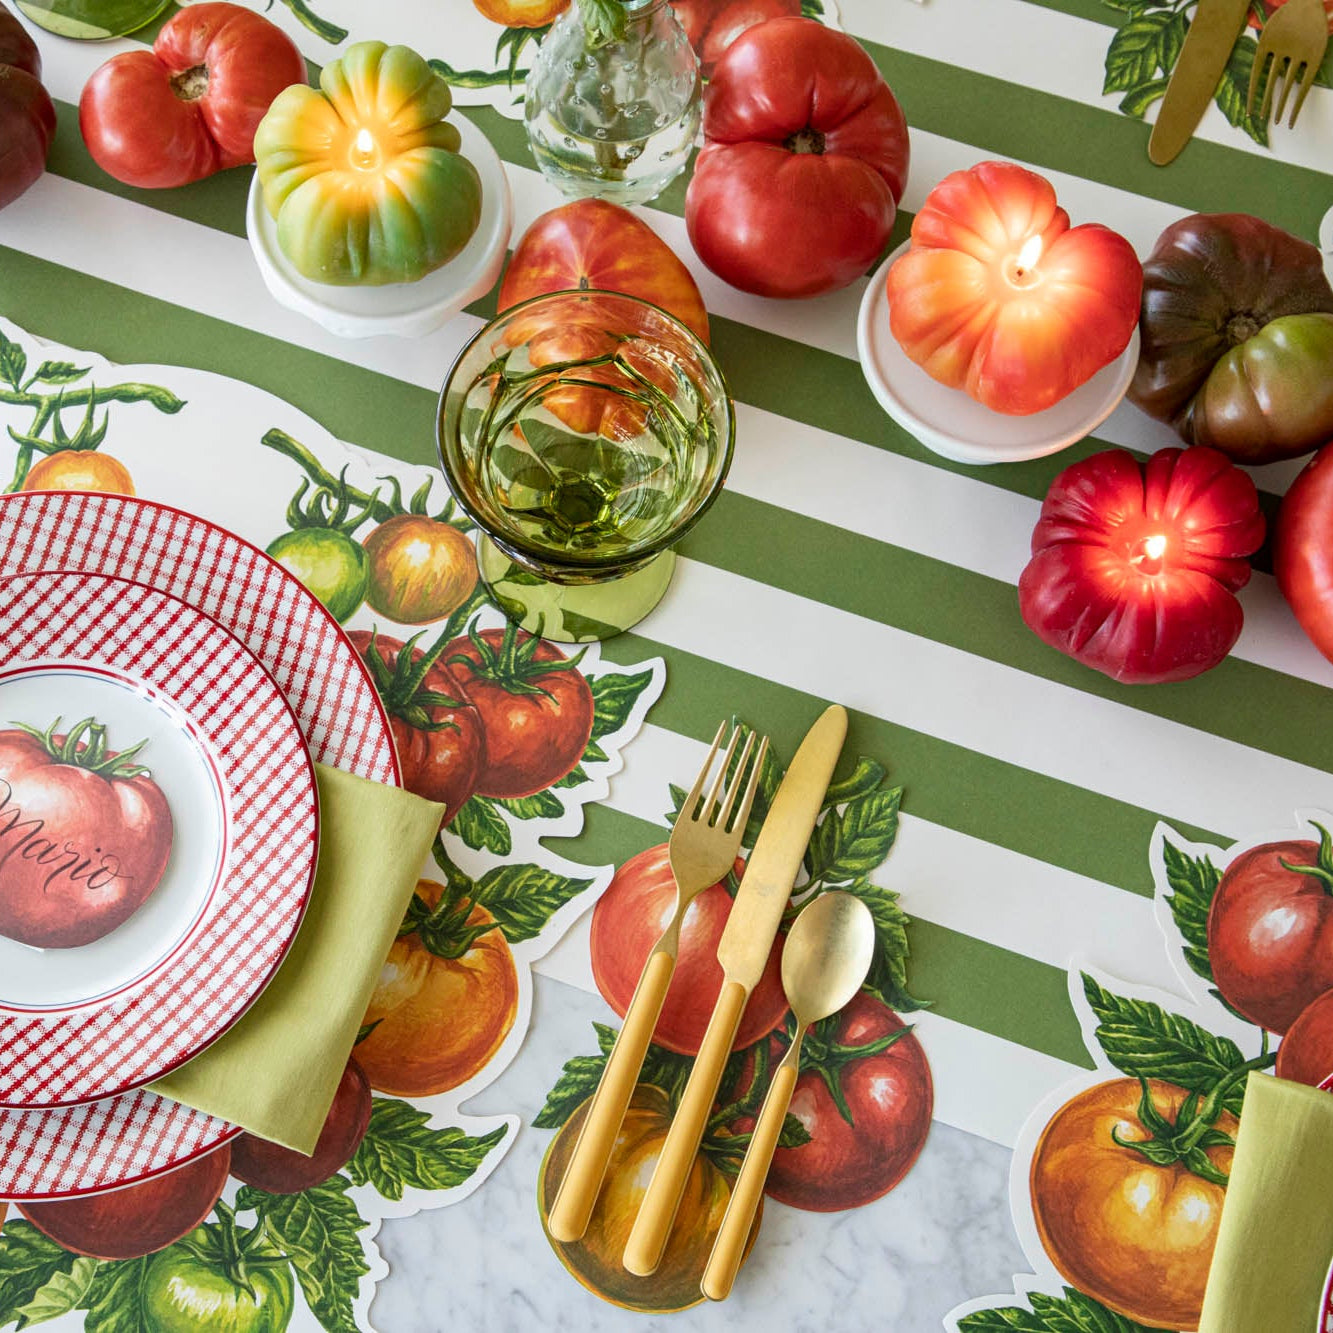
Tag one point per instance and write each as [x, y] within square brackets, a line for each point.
[84, 835]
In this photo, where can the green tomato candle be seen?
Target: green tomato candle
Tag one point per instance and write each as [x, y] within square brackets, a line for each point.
[363, 176]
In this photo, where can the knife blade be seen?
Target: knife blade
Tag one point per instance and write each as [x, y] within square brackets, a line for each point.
[771, 869]
[743, 952]
[1208, 45]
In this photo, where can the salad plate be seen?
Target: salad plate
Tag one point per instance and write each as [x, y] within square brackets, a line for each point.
[159, 827]
[69, 1152]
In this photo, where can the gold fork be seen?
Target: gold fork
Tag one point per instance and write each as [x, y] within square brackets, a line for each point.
[704, 842]
[1295, 36]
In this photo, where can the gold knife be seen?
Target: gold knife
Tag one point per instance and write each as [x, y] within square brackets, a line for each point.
[1208, 44]
[743, 952]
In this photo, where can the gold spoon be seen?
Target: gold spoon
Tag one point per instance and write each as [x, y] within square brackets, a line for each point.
[824, 961]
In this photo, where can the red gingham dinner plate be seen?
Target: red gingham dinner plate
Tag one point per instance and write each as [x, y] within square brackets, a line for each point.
[274, 615]
[208, 976]
[120, 1141]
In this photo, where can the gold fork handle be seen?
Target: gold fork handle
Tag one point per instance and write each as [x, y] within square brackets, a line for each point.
[729, 1247]
[587, 1167]
[657, 1213]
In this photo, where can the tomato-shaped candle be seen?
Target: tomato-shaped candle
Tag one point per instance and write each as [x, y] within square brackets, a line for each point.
[1000, 297]
[363, 177]
[1135, 565]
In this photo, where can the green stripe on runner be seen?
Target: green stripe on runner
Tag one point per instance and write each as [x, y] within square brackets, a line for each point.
[964, 979]
[979, 614]
[360, 406]
[1063, 135]
[986, 798]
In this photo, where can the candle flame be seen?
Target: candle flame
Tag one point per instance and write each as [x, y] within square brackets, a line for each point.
[365, 142]
[1030, 253]
[1154, 547]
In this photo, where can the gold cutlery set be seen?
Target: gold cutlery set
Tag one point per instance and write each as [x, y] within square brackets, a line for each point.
[1291, 47]
[825, 960]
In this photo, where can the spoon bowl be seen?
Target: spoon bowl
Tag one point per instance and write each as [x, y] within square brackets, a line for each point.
[827, 955]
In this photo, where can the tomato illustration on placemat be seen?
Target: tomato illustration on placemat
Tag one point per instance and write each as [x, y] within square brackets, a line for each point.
[863, 1101]
[85, 834]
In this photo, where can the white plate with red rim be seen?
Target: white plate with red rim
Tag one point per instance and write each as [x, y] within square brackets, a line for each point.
[74, 1151]
[142, 970]
[957, 427]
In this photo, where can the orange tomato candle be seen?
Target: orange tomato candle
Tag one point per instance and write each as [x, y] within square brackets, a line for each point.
[1000, 297]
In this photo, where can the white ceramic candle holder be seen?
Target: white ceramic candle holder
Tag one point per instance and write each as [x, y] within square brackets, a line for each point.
[950, 423]
[407, 309]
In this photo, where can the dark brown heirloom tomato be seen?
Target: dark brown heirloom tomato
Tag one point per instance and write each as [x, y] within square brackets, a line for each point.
[27, 115]
[1237, 338]
[126, 1223]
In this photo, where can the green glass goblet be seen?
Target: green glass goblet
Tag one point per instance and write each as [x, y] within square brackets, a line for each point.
[584, 433]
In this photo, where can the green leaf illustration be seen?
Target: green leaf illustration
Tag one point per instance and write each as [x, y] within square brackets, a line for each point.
[28, 1261]
[114, 1300]
[888, 968]
[1072, 1313]
[544, 805]
[1149, 42]
[523, 898]
[861, 781]
[58, 372]
[1136, 102]
[13, 361]
[1233, 91]
[1193, 883]
[401, 1151]
[1144, 1041]
[850, 843]
[63, 1293]
[613, 699]
[320, 1230]
[482, 827]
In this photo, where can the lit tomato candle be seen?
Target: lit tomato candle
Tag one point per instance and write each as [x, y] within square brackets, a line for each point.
[1135, 565]
[363, 176]
[1000, 297]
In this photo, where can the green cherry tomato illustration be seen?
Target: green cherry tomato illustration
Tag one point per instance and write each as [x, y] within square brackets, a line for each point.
[329, 563]
[204, 1285]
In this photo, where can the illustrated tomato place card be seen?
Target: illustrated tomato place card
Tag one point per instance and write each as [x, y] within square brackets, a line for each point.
[113, 831]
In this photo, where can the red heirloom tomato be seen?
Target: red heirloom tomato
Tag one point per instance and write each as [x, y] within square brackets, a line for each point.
[535, 705]
[1133, 1232]
[27, 115]
[1135, 566]
[889, 1093]
[1306, 1053]
[635, 909]
[278, 1170]
[85, 834]
[804, 161]
[712, 25]
[1303, 549]
[191, 105]
[138, 1219]
[1237, 348]
[1000, 297]
[594, 244]
[1270, 930]
[437, 732]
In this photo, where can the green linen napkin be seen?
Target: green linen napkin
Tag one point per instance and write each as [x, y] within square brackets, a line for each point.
[275, 1071]
[1276, 1237]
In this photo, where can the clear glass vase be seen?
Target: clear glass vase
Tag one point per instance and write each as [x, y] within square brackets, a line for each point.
[617, 121]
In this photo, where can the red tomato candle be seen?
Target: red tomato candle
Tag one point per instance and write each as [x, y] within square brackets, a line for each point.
[1135, 565]
[1000, 297]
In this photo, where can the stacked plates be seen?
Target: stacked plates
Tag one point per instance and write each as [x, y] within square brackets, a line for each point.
[149, 892]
